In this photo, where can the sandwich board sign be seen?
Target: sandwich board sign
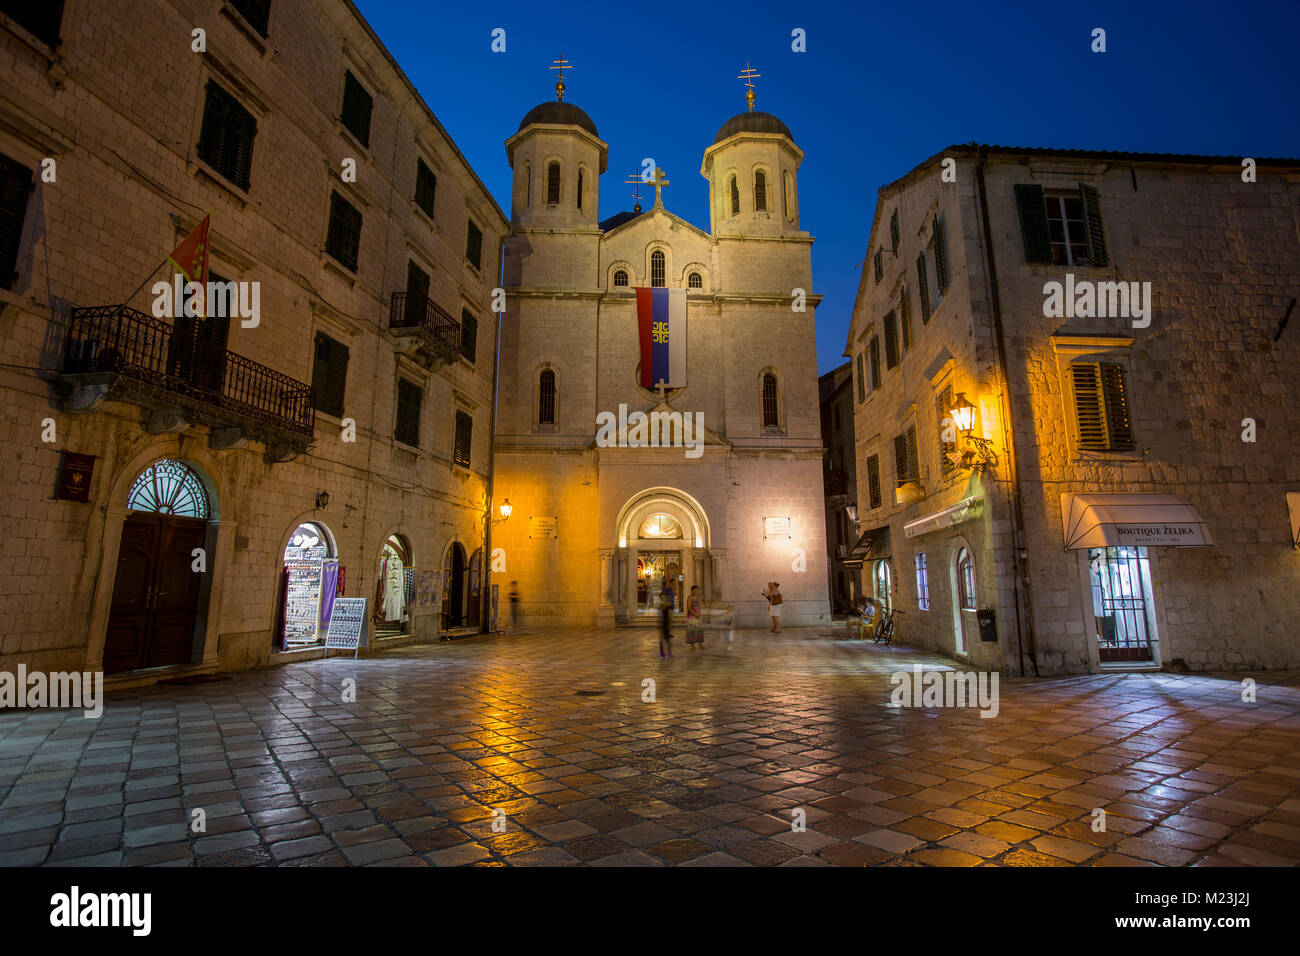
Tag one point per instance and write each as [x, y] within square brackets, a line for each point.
[348, 628]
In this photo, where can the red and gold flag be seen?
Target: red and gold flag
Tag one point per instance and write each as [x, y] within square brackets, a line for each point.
[191, 256]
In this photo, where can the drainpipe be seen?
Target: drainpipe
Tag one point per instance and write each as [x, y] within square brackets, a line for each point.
[485, 596]
[1019, 555]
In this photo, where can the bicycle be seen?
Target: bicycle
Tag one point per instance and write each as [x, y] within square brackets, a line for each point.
[885, 631]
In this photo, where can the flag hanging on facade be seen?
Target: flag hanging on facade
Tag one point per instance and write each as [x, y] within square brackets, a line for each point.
[191, 256]
[661, 320]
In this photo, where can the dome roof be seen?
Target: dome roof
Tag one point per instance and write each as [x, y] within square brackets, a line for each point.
[558, 112]
[755, 122]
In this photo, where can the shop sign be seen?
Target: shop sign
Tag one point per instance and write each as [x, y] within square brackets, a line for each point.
[1162, 535]
[347, 628]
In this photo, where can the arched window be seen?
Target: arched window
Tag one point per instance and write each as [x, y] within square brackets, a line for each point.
[657, 277]
[528, 185]
[771, 413]
[169, 487]
[579, 188]
[760, 191]
[553, 184]
[965, 581]
[546, 398]
[789, 196]
[620, 279]
[735, 197]
[695, 281]
[660, 526]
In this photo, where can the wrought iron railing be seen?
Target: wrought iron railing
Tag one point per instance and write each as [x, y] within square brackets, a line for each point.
[177, 360]
[415, 312]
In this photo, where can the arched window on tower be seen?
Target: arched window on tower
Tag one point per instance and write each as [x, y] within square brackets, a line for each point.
[789, 196]
[760, 191]
[553, 184]
[546, 398]
[771, 410]
[658, 279]
[695, 281]
[735, 197]
[528, 185]
[580, 189]
[620, 279]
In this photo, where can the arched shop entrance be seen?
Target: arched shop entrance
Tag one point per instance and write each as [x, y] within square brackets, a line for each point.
[157, 592]
[309, 581]
[453, 594]
[394, 589]
[473, 589]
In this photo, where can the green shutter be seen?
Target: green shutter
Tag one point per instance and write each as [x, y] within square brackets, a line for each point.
[1118, 422]
[940, 240]
[1033, 222]
[1092, 228]
[900, 459]
[875, 362]
[407, 428]
[468, 335]
[880, 265]
[893, 230]
[873, 480]
[923, 288]
[913, 463]
[905, 319]
[862, 380]
[357, 106]
[464, 435]
[336, 385]
[891, 340]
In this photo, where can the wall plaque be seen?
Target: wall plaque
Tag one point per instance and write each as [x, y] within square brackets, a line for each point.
[75, 472]
[776, 527]
[543, 526]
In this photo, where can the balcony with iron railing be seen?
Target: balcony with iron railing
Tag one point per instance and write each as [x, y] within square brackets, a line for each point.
[115, 353]
[423, 329]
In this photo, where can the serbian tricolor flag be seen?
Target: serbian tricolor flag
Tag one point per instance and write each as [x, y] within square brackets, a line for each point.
[661, 320]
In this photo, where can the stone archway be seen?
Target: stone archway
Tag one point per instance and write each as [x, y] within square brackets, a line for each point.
[662, 534]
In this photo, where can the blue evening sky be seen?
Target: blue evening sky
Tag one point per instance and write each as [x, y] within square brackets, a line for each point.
[880, 88]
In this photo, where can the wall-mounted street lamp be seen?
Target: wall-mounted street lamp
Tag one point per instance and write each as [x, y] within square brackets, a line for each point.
[505, 509]
[963, 416]
[322, 499]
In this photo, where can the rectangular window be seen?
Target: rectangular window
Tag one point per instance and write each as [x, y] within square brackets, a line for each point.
[464, 433]
[1063, 228]
[880, 264]
[862, 380]
[923, 288]
[257, 13]
[939, 240]
[873, 480]
[906, 466]
[875, 362]
[407, 427]
[893, 230]
[41, 19]
[426, 187]
[891, 340]
[15, 188]
[344, 240]
[942, 409]
[922, 583]
[905, 319]
[226, 136]
[468, 335]
[329, 375]
[473, 244]
[357, 106]
[1101, 407]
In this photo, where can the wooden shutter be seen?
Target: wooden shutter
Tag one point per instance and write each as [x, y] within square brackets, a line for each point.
[862, 380]
[468, 335]
[464, 434]
[1115, 393]
[1089, 408]
[473, 244]
[923, 288]
[905, 319]
[426, 187]
[329, 375]
[417, 294]
[344, 239]
[409, 396]
[873, 480]
[891, 340]
[15, 188]
[357, 106]
[1033, 222]
[913, 463]
[1093, 232]
[880, 264]
[875, 362]
[900, 458]
[940, 240]
[893, 230]
[942, 407]
[243, 129]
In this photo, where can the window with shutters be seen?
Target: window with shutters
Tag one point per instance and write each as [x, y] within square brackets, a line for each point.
[553, 184]
[464, 434]
[426, 187]
[695, 281]
[893, 230]
[357, 107]
[891, 340]
[862, 379]
[873, 480]
[409, 398]
[906, 465]
[905, 319]
[771, 409]
[344, 240]
[579, 188]
[923, 288]
[760, 191]
[226, 136]
[939, 244]
[880, 264]
[735, 197]
[473, 243]
[942, 411]
[42, 19]
[468, 335]
[257, 13]
[620, 279]
[1060, 227]
[875, 362]
[657, 274]
[1102, 407]
[15, 188]
[417, 294]
[546, 397]
[329, 375]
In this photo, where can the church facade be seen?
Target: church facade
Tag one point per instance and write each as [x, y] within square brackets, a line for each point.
[724, 489]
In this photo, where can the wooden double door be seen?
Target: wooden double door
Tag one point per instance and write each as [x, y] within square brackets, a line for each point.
[155, 593]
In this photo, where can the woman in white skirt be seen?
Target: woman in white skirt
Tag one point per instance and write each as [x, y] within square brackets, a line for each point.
[774, 600]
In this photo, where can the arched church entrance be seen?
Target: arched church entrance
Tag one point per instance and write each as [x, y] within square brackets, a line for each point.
[663, 538]
[157, 591]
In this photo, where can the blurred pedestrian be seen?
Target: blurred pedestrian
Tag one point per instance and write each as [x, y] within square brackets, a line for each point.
[667, 601]
[694, 624]
[514, 603]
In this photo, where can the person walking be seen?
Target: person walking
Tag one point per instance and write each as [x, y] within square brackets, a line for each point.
[667, 599]
[694, 626]
[729, 623]
[774, 601]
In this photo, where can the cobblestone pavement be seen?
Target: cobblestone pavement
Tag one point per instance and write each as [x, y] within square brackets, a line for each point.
[549, 728]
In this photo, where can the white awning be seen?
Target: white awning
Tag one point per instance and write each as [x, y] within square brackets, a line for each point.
[1108, 521]
[963, 510]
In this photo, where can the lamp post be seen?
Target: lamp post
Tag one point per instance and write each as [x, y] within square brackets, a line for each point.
[963, 416]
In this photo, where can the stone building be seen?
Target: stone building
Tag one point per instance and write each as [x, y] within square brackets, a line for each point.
[840, 482]
[234, 473]
[599, 522]
[1125, 493]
